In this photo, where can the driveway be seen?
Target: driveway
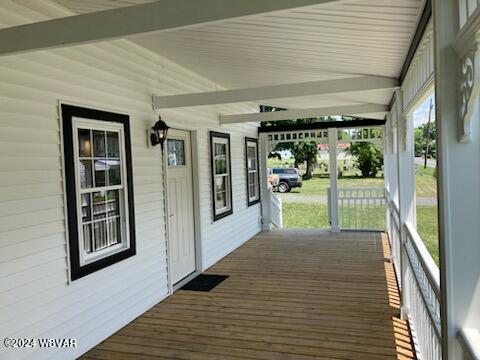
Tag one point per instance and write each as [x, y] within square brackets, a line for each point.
[430, 162]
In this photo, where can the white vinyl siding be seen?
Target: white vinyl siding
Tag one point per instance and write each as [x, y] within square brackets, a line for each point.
[36, 298]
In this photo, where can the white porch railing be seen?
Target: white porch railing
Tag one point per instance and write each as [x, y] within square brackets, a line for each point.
[361, 208]
[421, 283]
[470, 341]
[393, 228]
[422, 295]
[276, 208]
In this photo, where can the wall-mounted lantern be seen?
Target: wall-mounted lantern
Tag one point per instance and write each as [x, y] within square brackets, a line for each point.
[158, 133]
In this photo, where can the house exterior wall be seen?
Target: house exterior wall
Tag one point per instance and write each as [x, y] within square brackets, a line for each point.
[36, 298]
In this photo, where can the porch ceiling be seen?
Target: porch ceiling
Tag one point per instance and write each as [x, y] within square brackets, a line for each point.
[334, 40]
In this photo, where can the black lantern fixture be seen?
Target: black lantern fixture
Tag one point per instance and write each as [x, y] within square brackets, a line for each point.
[159, 132]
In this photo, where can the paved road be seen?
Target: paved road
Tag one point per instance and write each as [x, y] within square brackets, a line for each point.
[430, 162]
[322, 199]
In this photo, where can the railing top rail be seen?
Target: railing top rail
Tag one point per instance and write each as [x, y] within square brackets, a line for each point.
[372, 188]
[429, 266]
[470, 340]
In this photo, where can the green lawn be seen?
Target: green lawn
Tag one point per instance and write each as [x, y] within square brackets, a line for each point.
[426, 184]
[307, 215]
[427, 227]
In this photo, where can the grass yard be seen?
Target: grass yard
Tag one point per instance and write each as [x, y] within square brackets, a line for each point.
[319, 183]
[309, 216]
[305, 215]
[426, 183]
[427, 227]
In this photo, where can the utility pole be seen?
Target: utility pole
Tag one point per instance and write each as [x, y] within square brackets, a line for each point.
[427, 131]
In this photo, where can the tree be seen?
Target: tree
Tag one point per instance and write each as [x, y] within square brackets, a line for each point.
[303, 152]
[368, 157]
[420, 134]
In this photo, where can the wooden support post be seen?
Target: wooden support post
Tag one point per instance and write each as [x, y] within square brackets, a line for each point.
[332, 148]
[458, 147]
[265, 191]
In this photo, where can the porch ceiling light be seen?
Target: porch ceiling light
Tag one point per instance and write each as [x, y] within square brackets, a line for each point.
[159, 132]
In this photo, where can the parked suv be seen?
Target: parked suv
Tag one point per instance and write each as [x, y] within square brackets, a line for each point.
[288, 178]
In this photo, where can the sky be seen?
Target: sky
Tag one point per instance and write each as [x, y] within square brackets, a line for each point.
[420, 116]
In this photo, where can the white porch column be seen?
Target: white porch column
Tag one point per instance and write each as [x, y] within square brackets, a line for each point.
[406, 185]
[264, 190]
[457, 113]
[332, 148]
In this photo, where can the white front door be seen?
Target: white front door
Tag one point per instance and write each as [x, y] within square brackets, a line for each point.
[180, 203]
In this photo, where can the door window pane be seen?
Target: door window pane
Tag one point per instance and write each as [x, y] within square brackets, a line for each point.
[176, 152]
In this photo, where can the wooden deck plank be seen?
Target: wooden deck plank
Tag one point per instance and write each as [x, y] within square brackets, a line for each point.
[289, 295]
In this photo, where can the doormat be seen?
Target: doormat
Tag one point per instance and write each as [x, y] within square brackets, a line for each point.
[204, 282]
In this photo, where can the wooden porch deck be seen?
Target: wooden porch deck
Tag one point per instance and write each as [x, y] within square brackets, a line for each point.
[290, 295]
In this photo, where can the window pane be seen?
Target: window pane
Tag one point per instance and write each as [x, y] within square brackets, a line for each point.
[100, 171]
[87, 238]
[99, 205]
[220, 184]
[113, 203]
[114, 174]
[84, 143]
[85, 170]
[100, 235]
[113, 231]
[221, 200]
[252, 177]
[221, 166]
[252, 158]
[220, 149]
[98, 143]
[113, 148]
[176, 152]
[252, 191]
[86, 208]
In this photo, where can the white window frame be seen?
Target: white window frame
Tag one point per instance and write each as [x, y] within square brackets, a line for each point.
[82, 123]
[224, 139]
[252, 143]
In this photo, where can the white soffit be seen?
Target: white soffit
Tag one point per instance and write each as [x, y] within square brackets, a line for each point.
[340, 39]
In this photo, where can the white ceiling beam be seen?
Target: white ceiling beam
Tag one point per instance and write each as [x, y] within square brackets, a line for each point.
[275, 92]
[304, 113]
[117, 23]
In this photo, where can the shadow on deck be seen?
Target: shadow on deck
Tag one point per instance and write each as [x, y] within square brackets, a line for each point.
[291, 294]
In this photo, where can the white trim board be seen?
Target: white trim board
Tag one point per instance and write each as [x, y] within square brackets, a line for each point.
[360, 83]
[304, 113]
